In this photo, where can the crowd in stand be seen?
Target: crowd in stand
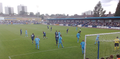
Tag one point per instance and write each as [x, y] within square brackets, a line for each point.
[19, 22]
[110, 24]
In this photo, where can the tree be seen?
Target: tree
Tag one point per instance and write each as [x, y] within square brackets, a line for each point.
[117, 12]
[1, 13]
[38, 14]
[22, 13]
[98, 10]
[31, 14]
[26, 13]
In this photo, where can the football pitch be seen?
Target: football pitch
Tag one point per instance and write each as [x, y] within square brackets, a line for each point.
[14, 46]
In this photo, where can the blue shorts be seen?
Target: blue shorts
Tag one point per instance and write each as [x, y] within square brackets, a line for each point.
[37, 43]
[60, 42]
[56, 39]
[83, 48]
[97, 39]
[44, 35]
[32, 38]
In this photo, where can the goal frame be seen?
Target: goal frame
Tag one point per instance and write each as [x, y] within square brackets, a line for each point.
[95, 35]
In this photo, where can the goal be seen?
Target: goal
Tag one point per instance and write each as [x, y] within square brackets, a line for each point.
[105, 47]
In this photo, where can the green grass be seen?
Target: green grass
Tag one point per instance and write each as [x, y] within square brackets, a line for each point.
[21, 47]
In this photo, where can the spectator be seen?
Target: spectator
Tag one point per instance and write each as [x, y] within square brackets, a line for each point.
[107, 58]
[102, 58]
[111, 57]
[118, 56]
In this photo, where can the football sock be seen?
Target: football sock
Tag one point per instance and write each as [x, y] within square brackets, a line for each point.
[58, 45]
[82, 51]
[77, 40]
[117, 47]
[95, 42]
[38, 46]
[62, 45]
[114, 48]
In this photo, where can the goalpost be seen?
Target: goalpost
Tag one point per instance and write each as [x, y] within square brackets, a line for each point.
[106, 45]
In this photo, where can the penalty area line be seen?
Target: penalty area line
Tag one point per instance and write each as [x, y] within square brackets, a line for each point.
[41, 51]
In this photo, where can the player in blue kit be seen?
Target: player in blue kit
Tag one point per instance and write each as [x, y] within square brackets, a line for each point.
[97, 39]
[48, 27]
[26, 34]
[56, 33]
[78, 36]
[51, 28]
[32, 37]
[67, 30]
[37, 40]
[60, 41]
[76, 28]
[59, 33]
[20, 31]
[44, 35]
[56, 37]
[83, 46]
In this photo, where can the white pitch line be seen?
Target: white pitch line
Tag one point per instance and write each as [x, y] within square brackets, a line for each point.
[9, 57]
[42, 51]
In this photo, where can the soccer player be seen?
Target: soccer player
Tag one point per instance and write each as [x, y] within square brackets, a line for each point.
[48, 27]
[97, 39]
[37, 40]
[51, 28]
[116, 43]
[80, 29]
[44, 35]
[60, 41]
[76, 28]
[26, 33]
[83, 46]
[32, 37]
[59, 33]
[67, 30]
[56, 33]
[56, 37]
[78, 36]
[20, 31]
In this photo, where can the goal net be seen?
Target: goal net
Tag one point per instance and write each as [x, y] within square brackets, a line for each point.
[106, 45]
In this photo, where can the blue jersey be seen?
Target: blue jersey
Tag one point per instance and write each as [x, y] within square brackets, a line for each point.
[97, 38]
[82, 44]
[37, 40]
[26, 31]
[56, 33]
[59, 34]
[67, 29]
[76, 27]
[78, 35]
[60, 39]
[44, 33]
[20, 30]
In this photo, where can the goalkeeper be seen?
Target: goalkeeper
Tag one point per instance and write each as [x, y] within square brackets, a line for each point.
[116, 43]
[97, 39]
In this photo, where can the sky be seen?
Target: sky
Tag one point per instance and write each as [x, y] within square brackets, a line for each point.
[70, 7]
